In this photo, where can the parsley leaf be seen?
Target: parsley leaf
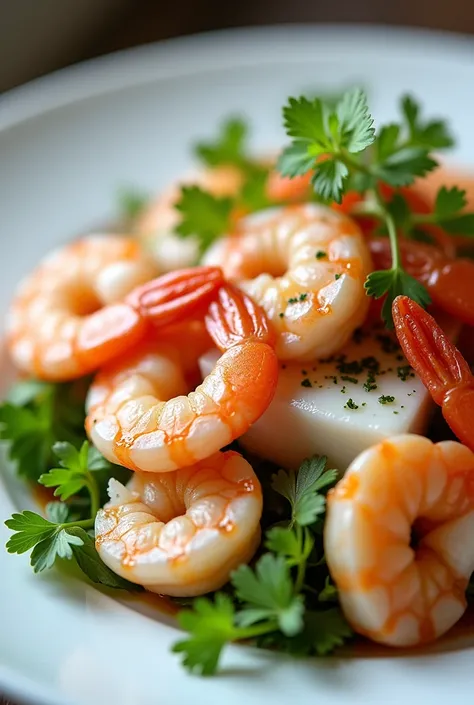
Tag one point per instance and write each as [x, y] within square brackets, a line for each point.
[268, 595]
[30, 528]
[204, 216]
[211, 625]
[59, 545]
[91, 565]
[355, 121]
[296, 546]
[35, 415]
[323, 632]
[301, 489]
[329, 179]
[304, 119]
[295, 160]
[57, 512]
[402, 166]
[449, 202]
[131, 203]
[228, 148]
[253, 195]
[395, 282]
[433, 134]
[73, 475]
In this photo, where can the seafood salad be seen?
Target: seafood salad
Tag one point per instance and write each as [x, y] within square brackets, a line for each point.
[255, 399]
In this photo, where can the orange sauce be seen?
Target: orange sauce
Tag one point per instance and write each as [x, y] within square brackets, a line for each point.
[42, 495]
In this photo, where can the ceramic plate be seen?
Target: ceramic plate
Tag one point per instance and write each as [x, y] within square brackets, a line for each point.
[67, 143]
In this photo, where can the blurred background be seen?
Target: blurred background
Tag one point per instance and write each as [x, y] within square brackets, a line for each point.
[39, 36]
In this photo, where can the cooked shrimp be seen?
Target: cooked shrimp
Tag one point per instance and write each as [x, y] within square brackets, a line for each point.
[155, 227]
[139, 417]
[306, 266]
[398, 539]
[182, 533]
[72, 315]
[439, 364]
[68, 317]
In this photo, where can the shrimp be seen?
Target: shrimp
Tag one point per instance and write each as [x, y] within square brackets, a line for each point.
[155, 227]
[439, 364]
[306, 266]
[450, 281]
[68, 316]
[398, 539]
[72, 315]
[138, 414]
[182, 533]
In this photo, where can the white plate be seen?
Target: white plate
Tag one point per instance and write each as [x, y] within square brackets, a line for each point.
[66, 143]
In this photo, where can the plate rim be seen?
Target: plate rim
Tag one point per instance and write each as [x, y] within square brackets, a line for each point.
[65, 87]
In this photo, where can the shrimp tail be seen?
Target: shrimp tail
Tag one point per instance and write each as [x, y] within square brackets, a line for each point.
[235, 318]
[176, 295]
[436, 360]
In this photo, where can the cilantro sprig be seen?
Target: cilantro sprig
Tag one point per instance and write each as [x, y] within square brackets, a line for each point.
[60, 537]
[271, 603]
[339, 144]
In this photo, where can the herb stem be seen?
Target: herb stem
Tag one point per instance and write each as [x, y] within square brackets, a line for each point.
[254, 631]
[392, 231]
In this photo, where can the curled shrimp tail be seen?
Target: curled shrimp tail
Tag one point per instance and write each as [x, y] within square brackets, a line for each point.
[176, 295]
[235, 318]
[436, 360]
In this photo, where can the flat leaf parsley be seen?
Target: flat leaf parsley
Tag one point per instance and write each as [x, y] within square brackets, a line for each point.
[60, 538]
[273, 603]
[341, 148]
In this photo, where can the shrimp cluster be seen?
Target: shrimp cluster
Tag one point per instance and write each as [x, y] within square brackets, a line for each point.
[285, 286]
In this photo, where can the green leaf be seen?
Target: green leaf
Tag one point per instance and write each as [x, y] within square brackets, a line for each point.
[296, 546]
[57, 512]
[433, 134]
[30, 528]
[387, 140]
[26, 391]
[253, 195]
[395, 282]
[228, 147]
[410, 110]
[403, 166]
[204, 216]
[59, 545]
[301, 489]
[329, 179]
[304, 119]
[449, 201]
[131, 203]
[37, 415]
[91, 564]
[211, 626]
[283, 541]
[400, 211]
[355, 121]
[462, 225]
[295, 160]
[329, 592]
[324, 631]
[268, 594]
